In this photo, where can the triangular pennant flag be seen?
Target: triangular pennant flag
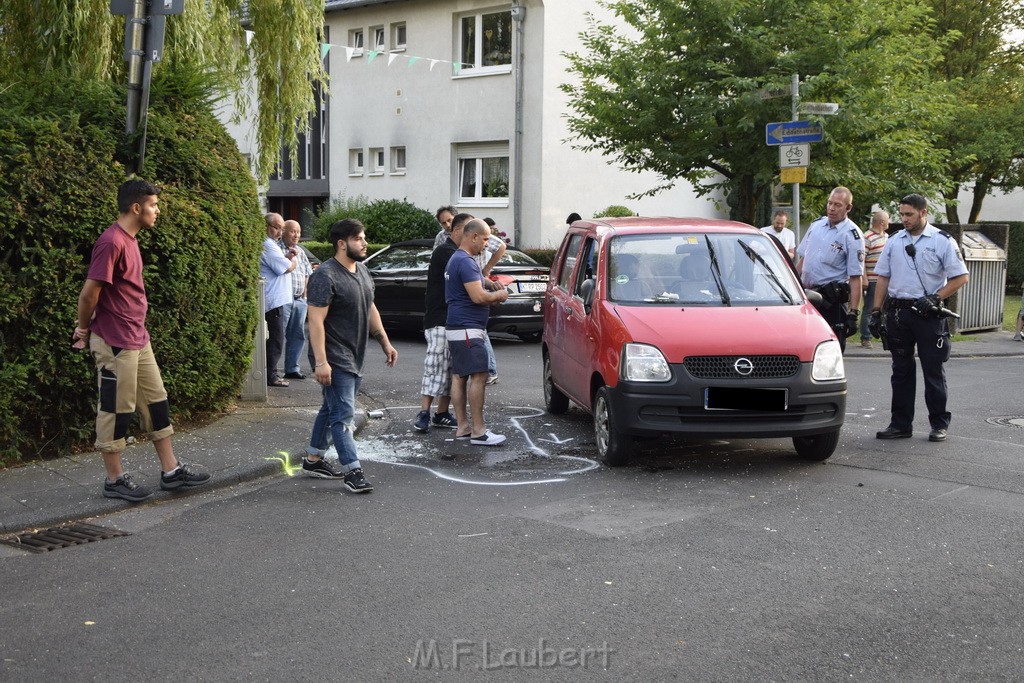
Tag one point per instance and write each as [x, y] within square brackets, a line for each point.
[456, 68]
[348, 53]
[412, 60]
[324, 49]
[433, 62]
[371, 55]
[391, 58]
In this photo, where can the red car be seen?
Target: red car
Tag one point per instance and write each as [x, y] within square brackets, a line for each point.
[692, 327]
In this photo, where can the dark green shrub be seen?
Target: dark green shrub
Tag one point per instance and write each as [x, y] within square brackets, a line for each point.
[61, 161]
[543, 256]
[614, 211]
[386, 220]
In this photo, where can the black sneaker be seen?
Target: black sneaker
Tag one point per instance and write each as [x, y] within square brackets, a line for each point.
[322, 468]
[356, 482]
[185, 476]
[445, 419]
[422, 422]
[124, 487]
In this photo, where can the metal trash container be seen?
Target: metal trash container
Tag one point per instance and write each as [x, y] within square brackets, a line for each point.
[980, 301]
[255, 386]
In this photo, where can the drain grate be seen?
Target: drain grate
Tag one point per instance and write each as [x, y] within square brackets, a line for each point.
[1008, 421]
[61, 537]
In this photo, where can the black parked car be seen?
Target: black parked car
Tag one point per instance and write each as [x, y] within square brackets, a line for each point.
[400, 276]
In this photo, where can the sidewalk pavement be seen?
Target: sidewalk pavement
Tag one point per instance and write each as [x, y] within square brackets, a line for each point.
[255, 440]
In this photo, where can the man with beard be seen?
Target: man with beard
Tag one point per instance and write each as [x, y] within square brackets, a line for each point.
[341, 316]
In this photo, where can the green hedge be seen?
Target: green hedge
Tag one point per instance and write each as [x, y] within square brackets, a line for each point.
[1014, 256]
[61, 160]
[387, 220]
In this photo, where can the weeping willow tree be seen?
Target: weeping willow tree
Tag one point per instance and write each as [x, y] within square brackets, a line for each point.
[269, 49]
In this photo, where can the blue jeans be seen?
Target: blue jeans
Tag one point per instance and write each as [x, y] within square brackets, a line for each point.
[337, 419]
[865, 311]
[294, 334]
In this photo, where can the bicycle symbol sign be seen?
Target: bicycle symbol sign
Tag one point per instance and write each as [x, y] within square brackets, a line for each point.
[794, 156]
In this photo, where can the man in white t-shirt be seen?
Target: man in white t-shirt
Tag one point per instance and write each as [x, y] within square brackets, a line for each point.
[779, 231]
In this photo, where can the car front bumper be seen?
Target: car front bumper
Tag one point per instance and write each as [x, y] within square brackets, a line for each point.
[678, 407]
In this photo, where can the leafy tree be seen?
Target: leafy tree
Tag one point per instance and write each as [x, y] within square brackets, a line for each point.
[986, 73]
[680, 93]
[81, 38]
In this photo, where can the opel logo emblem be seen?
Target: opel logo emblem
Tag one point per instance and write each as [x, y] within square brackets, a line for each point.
[743, 366]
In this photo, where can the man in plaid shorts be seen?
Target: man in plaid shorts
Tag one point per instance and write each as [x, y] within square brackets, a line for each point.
[437, 363]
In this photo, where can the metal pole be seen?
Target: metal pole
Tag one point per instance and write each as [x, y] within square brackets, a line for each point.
[136, 25]
[796, 186]
[518, 15]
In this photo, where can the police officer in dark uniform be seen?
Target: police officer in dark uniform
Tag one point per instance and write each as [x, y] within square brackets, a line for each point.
[831, 262]
[919, 268]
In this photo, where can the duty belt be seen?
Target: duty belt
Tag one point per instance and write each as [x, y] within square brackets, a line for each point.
[901, 303]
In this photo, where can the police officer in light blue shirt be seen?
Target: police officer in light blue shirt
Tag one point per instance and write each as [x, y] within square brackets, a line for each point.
[831, 262]
[920, 266]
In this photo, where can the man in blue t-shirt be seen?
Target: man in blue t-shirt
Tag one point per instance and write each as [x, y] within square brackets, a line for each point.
[469, 303]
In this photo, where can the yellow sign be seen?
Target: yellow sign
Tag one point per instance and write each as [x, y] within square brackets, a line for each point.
[794, 175]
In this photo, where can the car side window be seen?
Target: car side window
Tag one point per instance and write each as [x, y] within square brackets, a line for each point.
[588, 265]
[569, 257]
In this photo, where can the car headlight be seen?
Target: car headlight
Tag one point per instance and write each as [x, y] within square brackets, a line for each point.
[828, 362]
[644, 363]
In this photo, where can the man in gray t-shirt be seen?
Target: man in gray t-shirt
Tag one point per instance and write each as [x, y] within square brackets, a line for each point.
[341, 316]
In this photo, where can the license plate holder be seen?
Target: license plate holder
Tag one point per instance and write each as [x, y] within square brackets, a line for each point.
[746, 398]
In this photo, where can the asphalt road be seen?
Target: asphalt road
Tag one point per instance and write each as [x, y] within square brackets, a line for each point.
[703, 561]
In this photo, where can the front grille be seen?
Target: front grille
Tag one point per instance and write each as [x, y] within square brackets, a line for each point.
[724, 367]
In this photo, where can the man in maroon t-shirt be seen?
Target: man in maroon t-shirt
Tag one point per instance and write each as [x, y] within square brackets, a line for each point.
[112, 321]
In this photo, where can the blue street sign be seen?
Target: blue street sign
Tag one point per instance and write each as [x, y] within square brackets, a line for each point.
[793, 132]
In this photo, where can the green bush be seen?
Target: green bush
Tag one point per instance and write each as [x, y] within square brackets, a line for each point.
[61, 161]
[614, 211]
[386, 220]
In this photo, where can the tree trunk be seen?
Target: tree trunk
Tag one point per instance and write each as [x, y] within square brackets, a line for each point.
[952, 216]
[742, 200]
[981, 188]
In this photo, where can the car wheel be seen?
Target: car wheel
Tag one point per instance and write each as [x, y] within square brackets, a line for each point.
[555, 402]
[532, 337]
[818, 447]
[612, 445]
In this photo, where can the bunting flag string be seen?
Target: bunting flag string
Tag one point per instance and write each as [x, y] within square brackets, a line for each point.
[371, 55]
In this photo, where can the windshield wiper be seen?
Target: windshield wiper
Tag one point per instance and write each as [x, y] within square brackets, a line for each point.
[716, 272]
[787, 297]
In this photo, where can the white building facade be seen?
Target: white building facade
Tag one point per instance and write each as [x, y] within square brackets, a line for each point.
[458, 102]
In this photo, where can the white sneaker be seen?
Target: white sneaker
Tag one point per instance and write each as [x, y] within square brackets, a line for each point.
[1016, 337]
[488, 438]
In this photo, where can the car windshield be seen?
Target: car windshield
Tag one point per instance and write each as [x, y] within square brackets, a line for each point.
[705, 269]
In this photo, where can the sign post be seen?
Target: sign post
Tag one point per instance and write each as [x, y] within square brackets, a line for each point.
[144, 27]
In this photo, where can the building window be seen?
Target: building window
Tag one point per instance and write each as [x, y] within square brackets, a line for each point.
[355, 41]
[378, 38]
[483, 174]
[397, 37]
[485, 41]
[356, 166]
[377, 161]
[398, 160]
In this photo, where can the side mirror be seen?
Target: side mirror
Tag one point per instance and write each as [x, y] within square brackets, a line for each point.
[587, 293]
[814, 297]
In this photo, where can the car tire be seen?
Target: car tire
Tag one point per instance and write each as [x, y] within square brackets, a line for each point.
[613, 447]
[531, 337]
[818, 447]
[555, 402]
